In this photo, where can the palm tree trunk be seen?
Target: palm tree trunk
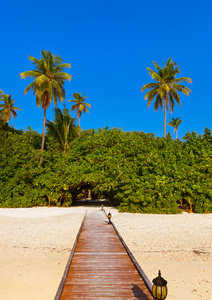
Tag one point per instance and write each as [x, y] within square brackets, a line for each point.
[176, 135]
[164, 125]
[43, 135]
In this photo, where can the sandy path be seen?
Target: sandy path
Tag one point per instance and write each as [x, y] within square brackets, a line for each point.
[35, 244]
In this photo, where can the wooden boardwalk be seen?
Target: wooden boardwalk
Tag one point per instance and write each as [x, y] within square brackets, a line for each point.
[100, 267]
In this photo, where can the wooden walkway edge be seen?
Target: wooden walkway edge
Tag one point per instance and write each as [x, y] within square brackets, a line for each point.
[101, 265]
[63, 280]
[134, 261]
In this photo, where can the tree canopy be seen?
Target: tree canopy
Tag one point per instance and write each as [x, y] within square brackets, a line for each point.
[136, 171]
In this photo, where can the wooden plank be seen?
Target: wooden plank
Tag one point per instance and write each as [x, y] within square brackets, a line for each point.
[134, 261]
[100, 267]
[62, 282]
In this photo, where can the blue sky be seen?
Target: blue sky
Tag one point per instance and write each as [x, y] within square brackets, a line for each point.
[109, 45]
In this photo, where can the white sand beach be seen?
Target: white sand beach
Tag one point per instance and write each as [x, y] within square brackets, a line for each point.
[35, 245]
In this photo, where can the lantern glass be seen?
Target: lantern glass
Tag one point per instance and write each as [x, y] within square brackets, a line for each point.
[159, 292]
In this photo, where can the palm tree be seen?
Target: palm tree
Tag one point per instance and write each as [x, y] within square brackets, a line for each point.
[62, 128]
[48, 84]
[7, 108]
[165, 88]
[175, 123]
[80, 106]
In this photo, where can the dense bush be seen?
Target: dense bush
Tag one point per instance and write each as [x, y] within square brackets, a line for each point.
[137, 172]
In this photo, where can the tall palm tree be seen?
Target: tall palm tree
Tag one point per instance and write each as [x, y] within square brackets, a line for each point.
[62, 128]
[175, 123]
[7, 108]
[165, 88]
[80, 106]
[48, 84]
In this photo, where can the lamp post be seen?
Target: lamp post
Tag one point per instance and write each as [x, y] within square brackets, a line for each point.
[159, 288]
[109, 217]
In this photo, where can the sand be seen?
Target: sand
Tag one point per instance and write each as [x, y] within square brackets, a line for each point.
[35, 244]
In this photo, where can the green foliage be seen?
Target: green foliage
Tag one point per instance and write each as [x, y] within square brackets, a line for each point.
[136, 171]
[63, 129]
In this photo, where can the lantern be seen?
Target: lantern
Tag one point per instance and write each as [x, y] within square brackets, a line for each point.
[109, 217]
[159, 288]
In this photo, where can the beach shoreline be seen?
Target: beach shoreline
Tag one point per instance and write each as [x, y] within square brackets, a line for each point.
[36, 243]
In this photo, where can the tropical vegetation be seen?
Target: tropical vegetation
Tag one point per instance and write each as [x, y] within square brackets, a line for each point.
[165, 88]
[48, 84]
[137, 172]
[79, 105]
[7, 109]
[62, 129]
[175, 123]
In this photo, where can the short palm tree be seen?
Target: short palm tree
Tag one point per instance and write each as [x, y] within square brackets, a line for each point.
[48, 84]
[175, 123]
[7, 108]
[62, 128]
[80, 106]
[165, 88]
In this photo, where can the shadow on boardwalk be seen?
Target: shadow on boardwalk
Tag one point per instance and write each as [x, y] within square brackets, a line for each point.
[138, 292]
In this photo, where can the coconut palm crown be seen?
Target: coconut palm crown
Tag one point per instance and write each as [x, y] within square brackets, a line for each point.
[80, 106]
[7, 108]
[48, 84]
[175, 123]
[165, 88]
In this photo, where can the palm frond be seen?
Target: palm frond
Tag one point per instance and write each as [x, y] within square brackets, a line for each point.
[30, 87]
[149, 94]
[151, 98]
[41, 80]
[156, 66]
[31, 74]
[181, 79]
[149, 86]
[158, 103]
[61, 76]
[155, 75]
